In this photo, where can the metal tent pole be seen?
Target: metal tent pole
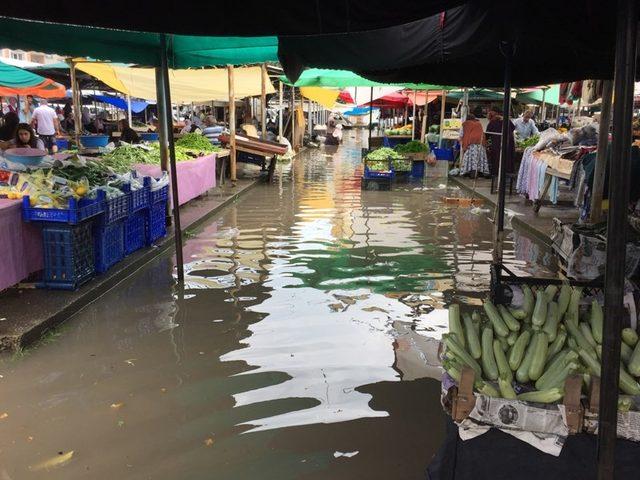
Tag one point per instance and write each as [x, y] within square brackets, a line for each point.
[370, 116]
[507, 51]
[172, 157]
[413, 123]
[619, 184]
[75, 98]
[425, 116]
[232, 126]
[601, 159]
[293, 118]
[442, 113]
[281, 113]
[129, 109]
[162, 121]
[263, 100]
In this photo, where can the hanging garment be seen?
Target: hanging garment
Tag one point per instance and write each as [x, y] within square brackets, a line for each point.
[564, 92]
[523, 172]
[576, 90]
[553, 190]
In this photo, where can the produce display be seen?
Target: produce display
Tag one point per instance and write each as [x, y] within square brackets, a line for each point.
[527, 352]
[414, 146]
[406, 130]
[529, 142]
[195, 142]
[401, 165]
[378, 159]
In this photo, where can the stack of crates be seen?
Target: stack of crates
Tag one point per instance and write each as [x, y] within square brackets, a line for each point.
[68, 243]
[156, 219]
[135, 223]
[109, 232]
[374, 180]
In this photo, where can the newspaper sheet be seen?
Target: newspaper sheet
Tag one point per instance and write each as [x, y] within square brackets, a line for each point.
[628, 425]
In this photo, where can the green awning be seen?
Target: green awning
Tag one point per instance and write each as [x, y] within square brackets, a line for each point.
[16, 81]
[135, 47]
[552, 97]
[319, 77]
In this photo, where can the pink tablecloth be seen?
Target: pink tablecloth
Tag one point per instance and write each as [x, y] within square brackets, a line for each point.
[21, 245]
[195, 177]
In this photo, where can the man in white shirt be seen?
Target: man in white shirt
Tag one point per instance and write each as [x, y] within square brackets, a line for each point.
[45, 122]
[525, 127]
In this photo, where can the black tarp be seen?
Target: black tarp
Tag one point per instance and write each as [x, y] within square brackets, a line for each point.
[555, 41]
[248, 18]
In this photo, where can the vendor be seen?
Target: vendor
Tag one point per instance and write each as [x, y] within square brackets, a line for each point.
[127, 134]
[25, 137]
[525, 126]
[8, 128]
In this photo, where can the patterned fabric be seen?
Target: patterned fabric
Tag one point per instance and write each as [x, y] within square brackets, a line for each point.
[475, 159]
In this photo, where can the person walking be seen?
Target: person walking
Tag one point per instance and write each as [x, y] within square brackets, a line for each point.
[46, 124]
[494, 136]
[474, 157]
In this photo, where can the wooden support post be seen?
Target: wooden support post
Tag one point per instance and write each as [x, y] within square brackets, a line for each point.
[601, 159]
[281, 112]
[75, 98]
[442, 112]
[163, 128]
[573, 406]
[371, 116]
[129, 116]
[464, 401]
[413, 123]
[232, 126]
[309, 118]
[293, 118]
[425, 116]
[263, 101]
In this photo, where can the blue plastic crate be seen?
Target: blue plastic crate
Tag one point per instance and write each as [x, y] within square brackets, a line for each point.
[78, 210]
[444, 154]
[68, 255]
[109, 245]
[375, 174]
[115, 209]
[156, 224]
[417, 169]
[139, 198]
[134, 231]
[160, 195]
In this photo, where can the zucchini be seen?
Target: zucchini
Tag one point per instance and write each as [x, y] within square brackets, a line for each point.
[517, 352]
[573, 310]
[590, 362]
[624, 403]
[511, 323]
[563, 299]
[489, 366]
[630, 337]
[540, 310]
[504, 344]
[586, 331]
[634, 361]
[596, 321]
[475, 316]
[506, 389]
[558, 380]
[553, 368]
[453, 370]
[539, 356]
[455, 326]
[522, 374]
[473, 342]
[511, 339]
[518, 313]
[558, 343]
[627, 383]
[486, 389]
[550, 292]
[501, 361]
[495, 319]
[543, 396]
[527, 305]
[582, 342]
[599, 352]
[573, 345]
[551, 325]
[452, 343]
[625, 353]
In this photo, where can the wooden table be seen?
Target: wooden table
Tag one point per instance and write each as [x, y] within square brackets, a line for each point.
[550, 174]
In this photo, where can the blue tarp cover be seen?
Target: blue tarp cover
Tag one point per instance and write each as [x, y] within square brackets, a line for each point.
[137, 106]
[358, 111]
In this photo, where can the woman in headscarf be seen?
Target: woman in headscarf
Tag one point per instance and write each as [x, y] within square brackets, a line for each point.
[474, 157]
[494, 136]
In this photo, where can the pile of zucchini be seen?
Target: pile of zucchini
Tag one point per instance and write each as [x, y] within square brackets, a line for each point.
[533, 349]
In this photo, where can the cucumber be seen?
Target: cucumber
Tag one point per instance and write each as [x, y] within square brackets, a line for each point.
[486, 389]
[539, 357]
[630, 337]
[563, 299]
[596, 321]
[473, 342]
[455, 326]
[627, 383]
[551, 325]
[518, 313]
[590, 362]
[586, 331]
[501, 361]
[517, 352]
[634, 361]
[527, 305]
[582, 342]
[550, 292]
[511, 323]
[625, 353]
[452, 343]
[511, 339]
[544, 396]
[495, 319]
[540, 310]
[522, 374]
[558, 343]
[506, 389]
[489, 366]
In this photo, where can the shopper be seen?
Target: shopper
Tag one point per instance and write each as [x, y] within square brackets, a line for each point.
[330, 138]
[127, 134]
[25, 137]
[8, 128]
[525, 126]
[493, 136]
[46, 123]
[474, 156]
[211, 130]
[26, 110]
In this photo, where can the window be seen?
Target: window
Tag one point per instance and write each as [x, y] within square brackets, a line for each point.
[17, 56]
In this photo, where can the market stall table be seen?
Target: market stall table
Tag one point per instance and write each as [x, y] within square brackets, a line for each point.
[195, 177]
[21, 245]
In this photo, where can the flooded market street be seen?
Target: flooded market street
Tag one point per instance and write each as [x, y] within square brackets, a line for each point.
[303, 346]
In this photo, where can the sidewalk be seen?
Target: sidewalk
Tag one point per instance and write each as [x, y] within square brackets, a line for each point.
[538, 224]
[27, 313]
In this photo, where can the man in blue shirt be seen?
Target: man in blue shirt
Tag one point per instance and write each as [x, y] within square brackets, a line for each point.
[525, 126]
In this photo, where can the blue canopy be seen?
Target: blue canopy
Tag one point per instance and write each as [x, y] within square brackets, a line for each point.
[358, 111]
[137, 106]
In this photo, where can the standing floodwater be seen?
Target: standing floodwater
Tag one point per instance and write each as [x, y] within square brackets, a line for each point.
[303, 346]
